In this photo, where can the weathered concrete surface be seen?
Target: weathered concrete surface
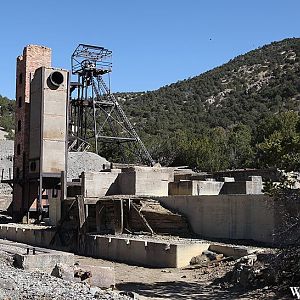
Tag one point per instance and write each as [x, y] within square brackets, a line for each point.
[141, 181]
[65, 272]
[145, 181]
[99, 184]
[54, 210]
[250, 217]
[43, 260]
[57, 263]
[195, 187]
[103, 277]
[142, 252]
[30, 234]
[226, 185]
[230, 250]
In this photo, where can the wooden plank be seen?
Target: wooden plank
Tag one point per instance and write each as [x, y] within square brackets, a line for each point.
[119, 216]
[99, 213]
[91, 201]
[134, 206]
[81, 212]
[61, 222]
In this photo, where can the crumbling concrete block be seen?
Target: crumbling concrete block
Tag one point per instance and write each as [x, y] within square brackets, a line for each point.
[145, 181]
[42, 260]
[231, 250]
[143, 252]
[99, 184]
[64, 272]
[103, 277]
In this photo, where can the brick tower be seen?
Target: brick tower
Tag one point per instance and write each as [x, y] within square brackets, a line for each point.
[33, 58]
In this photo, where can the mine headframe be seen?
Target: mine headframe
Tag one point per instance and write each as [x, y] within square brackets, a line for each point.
[96, 117]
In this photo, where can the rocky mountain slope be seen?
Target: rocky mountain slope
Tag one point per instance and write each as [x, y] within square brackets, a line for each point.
[244, 90]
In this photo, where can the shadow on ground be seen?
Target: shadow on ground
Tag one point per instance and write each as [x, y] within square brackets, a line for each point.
[183, 290]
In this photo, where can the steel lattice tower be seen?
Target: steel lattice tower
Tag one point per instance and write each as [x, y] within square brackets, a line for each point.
[95, 114]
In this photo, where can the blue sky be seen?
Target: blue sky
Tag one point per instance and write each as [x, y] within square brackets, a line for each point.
[154, 42]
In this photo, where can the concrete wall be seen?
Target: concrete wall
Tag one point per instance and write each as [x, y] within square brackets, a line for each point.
[48, 122]
[141, 252]
[252, 186]
[27, 234]
[145, 181]
[250, 217]
[99, 184]
[54, 211]
[210, 187]
[195, 187]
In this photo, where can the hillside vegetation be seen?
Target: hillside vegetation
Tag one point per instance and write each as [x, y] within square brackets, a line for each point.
[241, 114]
[7, 108]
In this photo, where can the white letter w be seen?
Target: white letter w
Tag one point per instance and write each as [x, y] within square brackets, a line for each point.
[295, 291]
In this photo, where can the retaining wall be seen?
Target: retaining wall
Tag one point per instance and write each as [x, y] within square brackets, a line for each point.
[249, 217]
[142, 252]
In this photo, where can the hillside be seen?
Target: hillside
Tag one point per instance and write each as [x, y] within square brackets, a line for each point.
[241, 114]
[7, 115]
[237, 96]
[244, 90]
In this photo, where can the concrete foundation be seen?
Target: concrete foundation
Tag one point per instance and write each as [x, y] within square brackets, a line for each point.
[249, 217]
[143, 252]
[34, 235]
[226, 185]
[162, 252]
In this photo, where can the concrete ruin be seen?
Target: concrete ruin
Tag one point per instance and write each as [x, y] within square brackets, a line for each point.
[118, 212]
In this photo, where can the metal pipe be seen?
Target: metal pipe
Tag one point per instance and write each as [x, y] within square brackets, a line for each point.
[56, 78]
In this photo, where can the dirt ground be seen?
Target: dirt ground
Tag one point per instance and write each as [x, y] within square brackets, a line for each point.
[186, 283]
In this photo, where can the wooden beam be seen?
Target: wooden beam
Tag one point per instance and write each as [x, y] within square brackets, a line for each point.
[134, 206]
[81, 212]
[99, 211]
[61, 222]
[119, 216]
